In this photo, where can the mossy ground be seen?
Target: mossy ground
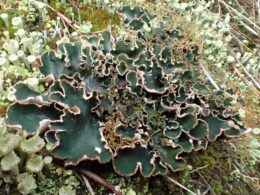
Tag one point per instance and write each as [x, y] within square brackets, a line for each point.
[213, 170]
[99, 17]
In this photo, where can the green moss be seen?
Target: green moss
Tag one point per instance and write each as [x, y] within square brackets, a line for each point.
[64, 8]
[221, 160]
[217, 186]
[99, 18]
[155, 119]
[3, 27]
[209, 158]
[205, 160]
[48, 186]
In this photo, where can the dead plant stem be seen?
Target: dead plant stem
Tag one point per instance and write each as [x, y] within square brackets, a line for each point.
[100, 180]
[64, 18]
[88, 186]
[180, 185]
[204, 69]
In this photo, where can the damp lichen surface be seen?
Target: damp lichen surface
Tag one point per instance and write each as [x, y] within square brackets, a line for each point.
[130, 100]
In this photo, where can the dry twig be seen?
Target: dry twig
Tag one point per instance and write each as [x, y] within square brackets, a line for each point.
[64, 18]
[85, 181]
[88, 186]
[239, 14]
[204, 69]
[199, 168]
[209, 186]
[180, 185]
[256, 86]
[241, 76]
[100, 180]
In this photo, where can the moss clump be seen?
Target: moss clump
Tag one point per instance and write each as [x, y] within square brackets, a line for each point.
[217, 186]
[218, 169]
[155, 120]
[209, 157]
[99, 17]
[221, 162]
[208, 160]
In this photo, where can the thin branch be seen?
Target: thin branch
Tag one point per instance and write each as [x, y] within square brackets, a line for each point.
[100, 180]
[180, 185]
[257, 85]
[238, 13]
[209, 186]
[254, 12]
[258, 9]
[7, 189]
[67, 30]
[204, 69]
[238, 36]
[64, 18]
[248, 28]
[206, 191]
[83, 180]
[241, 76]
[88, 186]
[241, 7]
[76, 5]
[253, 182]
[199, 168]
[251, 77]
